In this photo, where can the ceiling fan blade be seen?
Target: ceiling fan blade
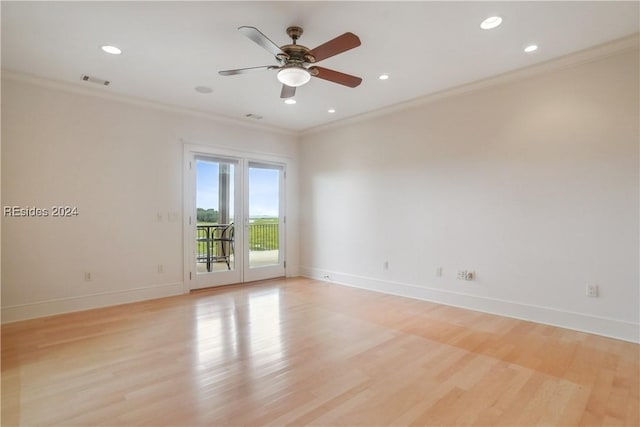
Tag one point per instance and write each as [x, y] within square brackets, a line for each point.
[245, 70]
[333, 47]
[287, 91]
[262, 40]
[335, 76]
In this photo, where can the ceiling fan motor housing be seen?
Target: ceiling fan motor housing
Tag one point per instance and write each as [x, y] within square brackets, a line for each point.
[297, 53]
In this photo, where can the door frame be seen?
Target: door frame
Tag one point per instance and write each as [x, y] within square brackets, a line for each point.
[243, 157]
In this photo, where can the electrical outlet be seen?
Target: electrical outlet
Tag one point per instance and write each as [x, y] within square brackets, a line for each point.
[466, 275]
[385, 265]
[592, 291]
[87, 276]
[160, 268]
[326, 277]
[439, 272]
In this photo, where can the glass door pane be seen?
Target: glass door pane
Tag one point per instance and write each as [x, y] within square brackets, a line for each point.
[216, 260]
[265, 222]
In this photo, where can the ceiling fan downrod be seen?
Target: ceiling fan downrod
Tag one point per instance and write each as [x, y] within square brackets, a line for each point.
[294, 33]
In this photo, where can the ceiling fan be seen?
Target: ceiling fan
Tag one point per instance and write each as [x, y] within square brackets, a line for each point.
[295, 61]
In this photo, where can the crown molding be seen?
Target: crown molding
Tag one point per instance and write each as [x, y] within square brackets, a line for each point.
[140, 102]
[570, 60]
[567, 61]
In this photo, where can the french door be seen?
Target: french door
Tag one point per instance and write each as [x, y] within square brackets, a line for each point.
[264, 222]
[235, 223]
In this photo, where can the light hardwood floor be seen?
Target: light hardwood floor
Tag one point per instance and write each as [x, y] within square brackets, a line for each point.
[302, 352]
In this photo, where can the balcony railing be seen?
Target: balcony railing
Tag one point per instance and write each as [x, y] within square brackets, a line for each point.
[263, 236]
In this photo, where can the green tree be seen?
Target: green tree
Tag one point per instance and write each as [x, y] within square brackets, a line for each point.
[207, 215]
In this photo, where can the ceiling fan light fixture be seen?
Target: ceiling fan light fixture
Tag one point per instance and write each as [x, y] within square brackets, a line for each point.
[294, 76]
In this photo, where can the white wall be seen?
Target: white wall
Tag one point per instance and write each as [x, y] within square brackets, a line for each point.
[120, 164]
[533, 184]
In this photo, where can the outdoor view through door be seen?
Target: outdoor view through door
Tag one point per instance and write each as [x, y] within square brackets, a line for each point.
[264, 215]
[215, 217]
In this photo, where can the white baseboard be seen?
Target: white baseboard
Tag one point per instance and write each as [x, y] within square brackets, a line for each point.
[293, 271]
[18, 312]
[613, 328]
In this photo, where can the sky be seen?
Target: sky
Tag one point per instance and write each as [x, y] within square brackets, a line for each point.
[263, 188]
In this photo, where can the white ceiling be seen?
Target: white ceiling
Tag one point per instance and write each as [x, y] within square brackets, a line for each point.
[169, 48]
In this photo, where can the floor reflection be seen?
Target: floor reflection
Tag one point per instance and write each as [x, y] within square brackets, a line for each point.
[244, 325]
[265, 326]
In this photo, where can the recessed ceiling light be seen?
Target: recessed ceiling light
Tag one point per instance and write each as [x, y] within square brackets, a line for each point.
[111, 49]
[203, 89]
[383, 76]
[331, 111]
[491, 22]
[290, 101]
[531, 48]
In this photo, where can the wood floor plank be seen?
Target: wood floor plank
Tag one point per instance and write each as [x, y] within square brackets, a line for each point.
[302, 352]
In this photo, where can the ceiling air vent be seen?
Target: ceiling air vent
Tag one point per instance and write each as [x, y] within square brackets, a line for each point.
[95, 80]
